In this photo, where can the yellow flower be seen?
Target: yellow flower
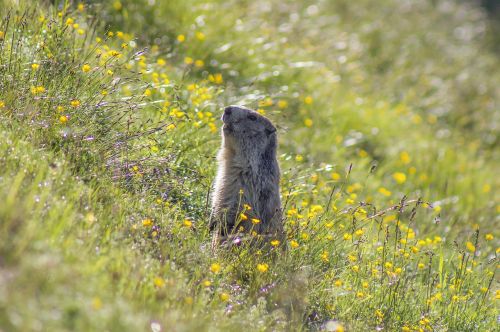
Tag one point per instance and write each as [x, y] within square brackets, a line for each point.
[117, 5]
[35, 66]
[63, 119]
[2, 34]
[188, 223]
[96, 303]
[470, 246]
[199, 63]
[294, 244]
[384, 191]
[161, 62]
[355, 268]
[421, 266]
[488, 237]
[188, 60]
[200, 35]
[243, 216]
[486, 188]
[207, 283]
[299, 158]
[262, 267]
[75, 103]
[308, 122]
[399, 177]
[324, 256]
[308, 100]
[255, 221]
[147, 222]
[215, 267]
[335, 176]
[86, 68]
[359, 232]
[347, 236]
[37, 90]
[81, 7]
[404, 157]
[338, 283]
[181, 38]
[224, 297]
[159, 282]
[282, 104]
[275, 243]
[2, 104]
[70, 21]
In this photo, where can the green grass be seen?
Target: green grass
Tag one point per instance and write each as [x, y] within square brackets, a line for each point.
[388, 127]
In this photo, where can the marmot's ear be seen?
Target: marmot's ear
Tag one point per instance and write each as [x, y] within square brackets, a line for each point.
[270, 131]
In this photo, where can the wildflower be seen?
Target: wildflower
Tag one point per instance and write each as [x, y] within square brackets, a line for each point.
[81, 32]
[96, 303]
[247, 207]
[405, 329]
[335, 176]
[255, 221]
[324, 256]
[70, 21]
[2, 104]
[37, 90]
[243, 216]
[399, 177]
[486, 188]
[75, 103]
[181, 38]
[379, 314]
[159, 282]
[355, 268]
[147, 93]
[63, 119]
[421, 266]
[104, 92]
[470, 247]
[362, 153]
[359, 232]
[308, 100]
[338, 283]
[282, 104]
[188, 60]
[347, 236]
[404, 157]
[224, 297]
[188, 223]
[360, 295]
[207, 283]
[487, 237]
[304, 236]
[275, 243]
[2, 34]
[35, 66]
[117, 5]
[262, 267]
[384, 191]
[294, 244]
[147, 222]
[86, 68]
[161, 62]
[109, 72]
[217, 78]
[308, 122]
[299, 158]
[200, 35]
[215, 267]
[199, 63]
[81, 7]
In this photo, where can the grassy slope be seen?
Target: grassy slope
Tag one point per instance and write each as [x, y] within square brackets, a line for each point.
[96, 196]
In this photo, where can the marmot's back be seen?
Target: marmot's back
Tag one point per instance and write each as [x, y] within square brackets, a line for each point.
[246, 191]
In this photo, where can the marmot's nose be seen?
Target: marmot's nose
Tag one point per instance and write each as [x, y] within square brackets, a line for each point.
[228, 110]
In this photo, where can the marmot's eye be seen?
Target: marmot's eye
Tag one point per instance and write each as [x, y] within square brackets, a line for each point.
[252, 117]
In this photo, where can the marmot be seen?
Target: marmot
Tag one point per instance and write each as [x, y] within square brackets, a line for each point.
[246, 195]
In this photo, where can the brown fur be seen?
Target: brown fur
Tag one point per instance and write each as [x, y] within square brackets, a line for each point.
[249, 174]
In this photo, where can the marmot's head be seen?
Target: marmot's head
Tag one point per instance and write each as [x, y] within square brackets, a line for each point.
[247, 130]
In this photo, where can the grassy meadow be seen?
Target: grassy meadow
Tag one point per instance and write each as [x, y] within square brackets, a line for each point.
[388, 123]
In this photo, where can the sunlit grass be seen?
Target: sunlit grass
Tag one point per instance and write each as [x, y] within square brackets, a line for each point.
[108, 137]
